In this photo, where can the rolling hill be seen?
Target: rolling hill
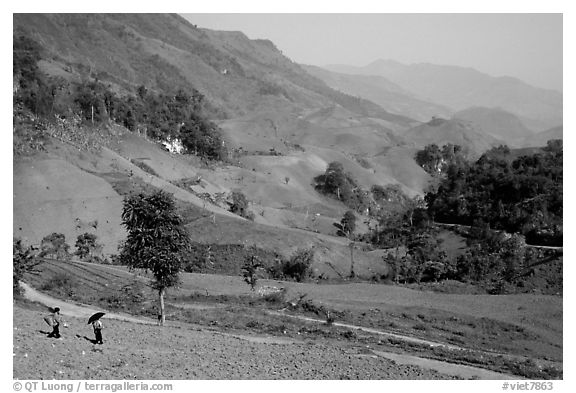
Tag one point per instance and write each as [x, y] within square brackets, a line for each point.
[540, 139]
[496, 123]
[458, 132]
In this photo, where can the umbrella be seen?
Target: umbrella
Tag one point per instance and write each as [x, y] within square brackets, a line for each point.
[96, 317]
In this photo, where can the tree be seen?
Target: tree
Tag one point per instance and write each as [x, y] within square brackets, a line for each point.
[23, 260]
[157, 240]
[202, 137]
[348, 223]
[240, 205]
[85, 245]
[336, 183]
[250, 269]
[55, 246]
[430, 158]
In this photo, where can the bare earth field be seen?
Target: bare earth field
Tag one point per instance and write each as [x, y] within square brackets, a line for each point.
[138, 351]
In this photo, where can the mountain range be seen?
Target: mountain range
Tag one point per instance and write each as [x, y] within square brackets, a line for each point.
[459, 88]
[286, 121]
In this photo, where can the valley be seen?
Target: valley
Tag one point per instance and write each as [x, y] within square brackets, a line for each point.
[307, 200]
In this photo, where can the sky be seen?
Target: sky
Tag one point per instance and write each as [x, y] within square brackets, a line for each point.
[526, 46]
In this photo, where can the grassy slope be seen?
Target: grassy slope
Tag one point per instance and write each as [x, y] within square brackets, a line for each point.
[51, 195]
[83, 193]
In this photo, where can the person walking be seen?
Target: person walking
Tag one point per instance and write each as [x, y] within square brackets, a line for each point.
[97, 325]
[54, 320]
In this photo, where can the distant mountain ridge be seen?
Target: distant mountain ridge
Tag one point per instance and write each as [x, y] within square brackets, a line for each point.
[381, 91]
[459, 88]
[497, 123]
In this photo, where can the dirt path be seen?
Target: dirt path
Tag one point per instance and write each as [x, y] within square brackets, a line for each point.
[77, 310]
[420, 341]
[375, 331]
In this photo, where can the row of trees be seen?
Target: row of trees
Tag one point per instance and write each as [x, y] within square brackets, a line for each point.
[55, 246]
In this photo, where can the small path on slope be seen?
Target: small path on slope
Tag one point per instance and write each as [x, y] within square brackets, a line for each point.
[410, 339]
[76, 310]
[416, 340]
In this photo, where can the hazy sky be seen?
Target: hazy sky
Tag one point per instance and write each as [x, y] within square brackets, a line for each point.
[526, 46]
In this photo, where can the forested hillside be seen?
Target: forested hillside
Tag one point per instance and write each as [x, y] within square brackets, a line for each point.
[515, 194]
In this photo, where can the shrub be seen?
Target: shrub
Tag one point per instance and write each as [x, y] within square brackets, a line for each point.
[61, 284]
[298, 266]
[277, 296]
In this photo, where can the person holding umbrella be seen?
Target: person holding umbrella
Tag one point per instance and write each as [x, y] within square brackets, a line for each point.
[97, 326]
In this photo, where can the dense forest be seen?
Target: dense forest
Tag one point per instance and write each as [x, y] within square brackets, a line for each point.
[517, 194]
[160, 116]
